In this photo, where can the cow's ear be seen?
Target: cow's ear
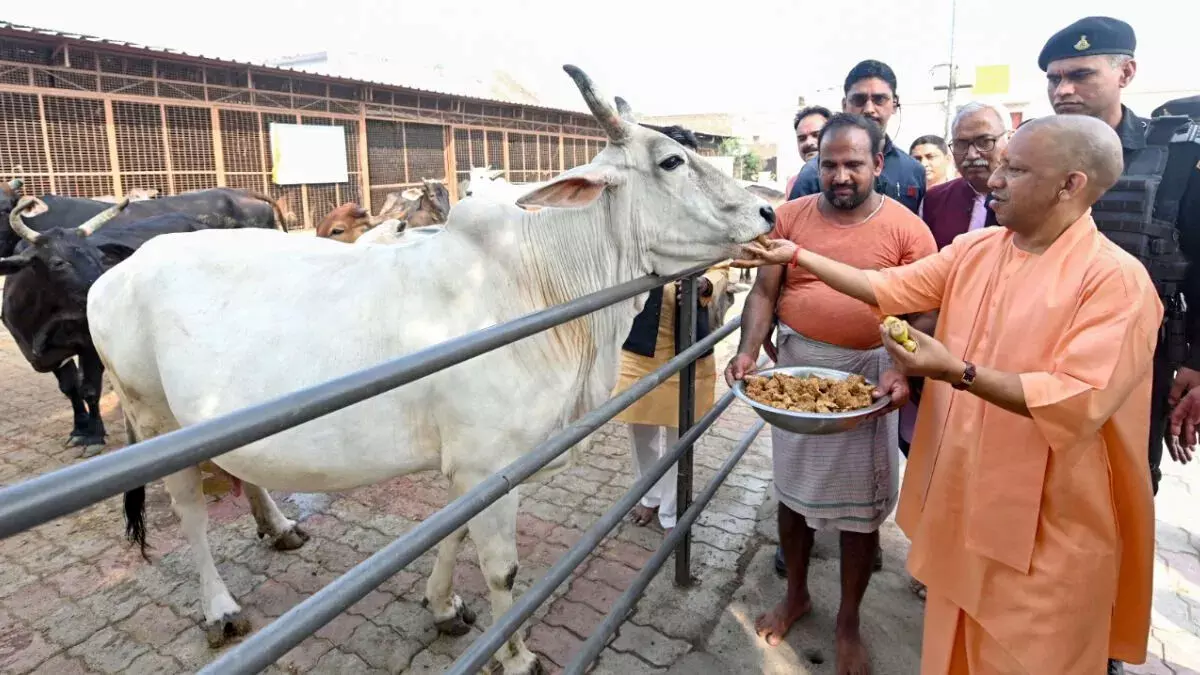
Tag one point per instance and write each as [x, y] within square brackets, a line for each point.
[14, 263]
[574, 189]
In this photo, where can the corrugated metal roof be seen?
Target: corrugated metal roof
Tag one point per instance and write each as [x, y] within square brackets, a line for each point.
[121, 44]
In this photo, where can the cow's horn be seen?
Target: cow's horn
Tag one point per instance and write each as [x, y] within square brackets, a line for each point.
[15, 184]
[97, 221]
[625, 111]
[18, 224]
[613, 127]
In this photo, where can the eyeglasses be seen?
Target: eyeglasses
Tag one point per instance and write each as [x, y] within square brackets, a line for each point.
[860, 100]
[981, 143]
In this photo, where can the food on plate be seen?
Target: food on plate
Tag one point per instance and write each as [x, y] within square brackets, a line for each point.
[898, 329]
[809, 393]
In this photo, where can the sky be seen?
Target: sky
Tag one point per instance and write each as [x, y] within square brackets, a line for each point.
[665, 56]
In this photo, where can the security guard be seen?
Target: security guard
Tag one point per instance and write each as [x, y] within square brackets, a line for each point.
[1154, 210]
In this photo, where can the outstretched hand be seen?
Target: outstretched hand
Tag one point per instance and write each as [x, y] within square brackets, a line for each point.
[775, 252]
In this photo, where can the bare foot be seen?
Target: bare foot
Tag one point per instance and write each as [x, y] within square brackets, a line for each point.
[917, 588]
[852, 656]
[775, 624]
[642, 515]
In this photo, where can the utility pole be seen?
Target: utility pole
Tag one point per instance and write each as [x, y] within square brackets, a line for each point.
[952, 78]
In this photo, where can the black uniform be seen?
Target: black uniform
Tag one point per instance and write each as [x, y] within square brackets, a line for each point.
[1153, 212]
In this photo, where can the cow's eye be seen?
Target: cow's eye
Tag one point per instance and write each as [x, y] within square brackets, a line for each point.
[337, 232]
[671, 163]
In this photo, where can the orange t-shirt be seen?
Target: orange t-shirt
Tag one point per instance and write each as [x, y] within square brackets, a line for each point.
[893, 237]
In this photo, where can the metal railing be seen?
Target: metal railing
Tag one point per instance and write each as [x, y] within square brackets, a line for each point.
[64, 491]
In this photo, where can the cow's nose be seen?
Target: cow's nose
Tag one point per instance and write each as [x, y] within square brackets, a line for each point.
[768, 214]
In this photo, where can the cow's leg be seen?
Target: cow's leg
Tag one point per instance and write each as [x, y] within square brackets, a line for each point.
[285, 534]
[92, 384]
[68, 383]
[222, 615]
[494, 532]
[451, 615]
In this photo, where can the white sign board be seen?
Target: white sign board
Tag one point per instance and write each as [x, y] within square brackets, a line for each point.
[308, 153]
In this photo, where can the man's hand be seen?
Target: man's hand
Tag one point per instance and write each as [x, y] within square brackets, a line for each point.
[777, 252]
[739, 367]
[891, 383]
[931, 359]
[1182, 427]
[1186, 380]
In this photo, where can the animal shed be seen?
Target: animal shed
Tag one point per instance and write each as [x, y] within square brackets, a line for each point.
[87, 117]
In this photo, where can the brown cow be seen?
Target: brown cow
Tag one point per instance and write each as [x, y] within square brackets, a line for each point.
[419, 207]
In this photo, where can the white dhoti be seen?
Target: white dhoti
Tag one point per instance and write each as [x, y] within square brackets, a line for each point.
[847, 481]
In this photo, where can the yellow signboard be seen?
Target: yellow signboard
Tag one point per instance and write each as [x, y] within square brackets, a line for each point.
[991, 80]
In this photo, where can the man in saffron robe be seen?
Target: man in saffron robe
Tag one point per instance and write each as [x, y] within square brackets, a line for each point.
[1027, 496]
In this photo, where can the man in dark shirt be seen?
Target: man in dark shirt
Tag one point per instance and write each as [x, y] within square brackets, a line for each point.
[870, 90]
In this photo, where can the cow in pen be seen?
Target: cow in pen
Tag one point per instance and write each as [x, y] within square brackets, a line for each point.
[194, 327]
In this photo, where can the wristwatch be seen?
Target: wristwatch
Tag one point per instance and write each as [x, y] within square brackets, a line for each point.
[968, 377]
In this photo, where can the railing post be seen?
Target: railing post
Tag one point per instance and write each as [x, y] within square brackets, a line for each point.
[687, 417]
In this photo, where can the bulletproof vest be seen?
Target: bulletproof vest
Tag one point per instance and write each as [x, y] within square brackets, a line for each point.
[1136, 216]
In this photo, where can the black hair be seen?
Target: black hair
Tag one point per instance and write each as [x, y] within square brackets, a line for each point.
[811, 110]
[933, 140]
[682, 136]
[842, 121]
[868, 69]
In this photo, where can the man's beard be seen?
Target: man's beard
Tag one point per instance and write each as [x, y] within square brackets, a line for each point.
[846, 202]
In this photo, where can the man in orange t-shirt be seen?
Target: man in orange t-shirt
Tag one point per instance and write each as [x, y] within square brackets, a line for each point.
[847, 481]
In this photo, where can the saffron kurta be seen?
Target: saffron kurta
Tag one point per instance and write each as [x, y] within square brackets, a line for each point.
[1040, 531]
[661, 405]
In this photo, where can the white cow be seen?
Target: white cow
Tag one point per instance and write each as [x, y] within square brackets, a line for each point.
[194, 327]
[488, 183]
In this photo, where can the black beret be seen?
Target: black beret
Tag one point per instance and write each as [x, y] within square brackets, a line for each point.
[1088, 37]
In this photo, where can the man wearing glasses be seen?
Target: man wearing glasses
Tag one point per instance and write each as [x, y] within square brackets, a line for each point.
[870, 91]
[979, 135]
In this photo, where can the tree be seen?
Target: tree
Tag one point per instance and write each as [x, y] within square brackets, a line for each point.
[751, 165]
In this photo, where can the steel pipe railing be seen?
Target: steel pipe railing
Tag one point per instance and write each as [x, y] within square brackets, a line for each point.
[277, 638]
[484, 646]
[624, 605]
[49, 496]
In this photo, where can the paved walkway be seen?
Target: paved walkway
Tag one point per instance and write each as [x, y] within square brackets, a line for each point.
[75, 598]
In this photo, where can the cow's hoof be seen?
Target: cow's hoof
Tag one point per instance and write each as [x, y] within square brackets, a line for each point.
[226, 628]
[91, 451]
[459, 624]
[290, 540]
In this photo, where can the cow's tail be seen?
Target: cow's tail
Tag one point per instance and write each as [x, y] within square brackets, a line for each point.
[135, 502]
[135, 518]
[283, 222]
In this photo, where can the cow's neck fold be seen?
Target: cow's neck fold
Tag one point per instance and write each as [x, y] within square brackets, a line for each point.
[569, 253]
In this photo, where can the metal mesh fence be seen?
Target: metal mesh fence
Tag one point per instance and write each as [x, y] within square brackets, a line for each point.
[91, 123]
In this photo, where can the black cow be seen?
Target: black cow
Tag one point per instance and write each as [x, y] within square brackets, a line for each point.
[224, 208]
[45, 297]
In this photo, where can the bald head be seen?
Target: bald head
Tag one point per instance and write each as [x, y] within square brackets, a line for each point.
[1078, 143]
